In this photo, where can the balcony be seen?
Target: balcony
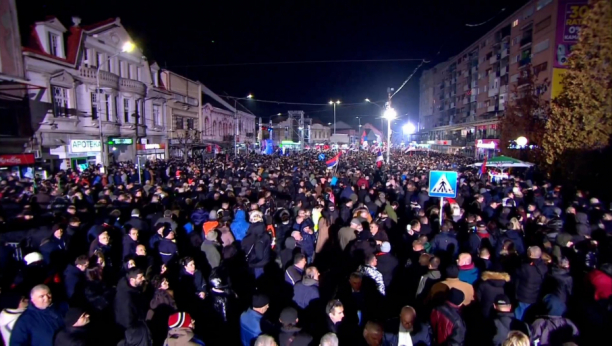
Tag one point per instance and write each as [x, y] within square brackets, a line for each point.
[502, 107]
[473, 98]
[465, 101]
[525, 41]
[503, 71]
[525, 61]
[466, 87]
[505, 52]
[493, 92]
[107, 79]
[491, 109]
[474, 84]
[503, 89]
[493, 59]
[131, 86]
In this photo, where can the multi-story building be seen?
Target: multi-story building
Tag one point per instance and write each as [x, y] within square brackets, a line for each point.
[319, 133]
[462, 98]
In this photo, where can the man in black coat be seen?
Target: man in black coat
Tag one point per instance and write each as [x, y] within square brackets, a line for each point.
[387, 263]
[503, 322]
[529, 279]
[76, 330]
[74, 276]
[406, 326]
[130, 307]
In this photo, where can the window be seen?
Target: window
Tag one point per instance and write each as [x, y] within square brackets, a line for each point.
[514, 78]
[86, 56]
[107, 107]
[126, 111]
[542, 3]
[528, 13]
[155, 78]
[129, 71]
[109, 65]
[61, 101]
[214, 128]
[486, 88]
[517, 58]
[515, 23]
[178, 123]
[54, 44]
[94, 105]
[543, 24]
[137, 111]
[156, 115]
[99, 59]
[541, 46]
[206, 126]
[540, 68]
[190, 124]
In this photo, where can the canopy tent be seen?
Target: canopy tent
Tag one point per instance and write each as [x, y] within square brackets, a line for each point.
[504, 162]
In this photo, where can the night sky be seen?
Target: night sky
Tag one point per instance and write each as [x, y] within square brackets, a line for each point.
[186, 36]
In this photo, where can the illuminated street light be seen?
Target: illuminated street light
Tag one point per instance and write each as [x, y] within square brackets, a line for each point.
[389, 114]
[128, 47]
[249, 96]
[367, 100]
[521, 141]
[409, 129]
[334, 104]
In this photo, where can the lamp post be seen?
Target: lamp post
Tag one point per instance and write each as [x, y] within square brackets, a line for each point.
[127, 47]
[389, 114]
[334, 104]
[359, 134]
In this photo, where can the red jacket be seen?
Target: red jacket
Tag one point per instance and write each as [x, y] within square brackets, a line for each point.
[447, 325]
[601, 284]
[363, 181]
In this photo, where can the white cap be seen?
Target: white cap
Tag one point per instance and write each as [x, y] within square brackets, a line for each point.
[33, 257]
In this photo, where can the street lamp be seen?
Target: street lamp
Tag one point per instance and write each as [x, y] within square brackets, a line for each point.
[334, 104]
[126, 48]
[250, 96]
[521, 141]
[389, 114]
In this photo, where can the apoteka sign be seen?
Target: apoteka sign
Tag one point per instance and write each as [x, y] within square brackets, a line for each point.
[84, 145]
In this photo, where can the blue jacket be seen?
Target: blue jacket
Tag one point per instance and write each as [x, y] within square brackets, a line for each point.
[239, 226]
[250, 326]
[469, 275]
[199, 216]
[517, 239]
[37, 327]
[443, 242]
[305, 292]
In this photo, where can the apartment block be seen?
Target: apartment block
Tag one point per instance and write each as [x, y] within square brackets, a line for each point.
[462, 98]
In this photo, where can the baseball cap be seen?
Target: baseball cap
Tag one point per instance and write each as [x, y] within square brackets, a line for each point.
[502, 299]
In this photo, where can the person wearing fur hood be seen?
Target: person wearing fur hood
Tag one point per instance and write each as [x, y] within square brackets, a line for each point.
[491, 284]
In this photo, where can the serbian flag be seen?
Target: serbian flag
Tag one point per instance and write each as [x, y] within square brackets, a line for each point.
[379, 159]
[331, 163]
[483, 168]
[364, 138]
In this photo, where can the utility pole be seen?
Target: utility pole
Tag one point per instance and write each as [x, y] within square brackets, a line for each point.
[235, 128]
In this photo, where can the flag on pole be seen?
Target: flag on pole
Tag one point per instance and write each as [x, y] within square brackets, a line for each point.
[364, 138]
[331, 163]
[483, 168]
[379, 159]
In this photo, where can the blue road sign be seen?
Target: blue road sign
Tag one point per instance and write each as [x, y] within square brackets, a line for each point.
[321, 157]
[443, 184]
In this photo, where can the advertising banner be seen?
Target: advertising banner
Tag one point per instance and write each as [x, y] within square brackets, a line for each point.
[85, 145]
[570, 16]
[16, 160]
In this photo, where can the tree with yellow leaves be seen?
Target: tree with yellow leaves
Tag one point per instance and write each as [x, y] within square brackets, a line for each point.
[581, 116]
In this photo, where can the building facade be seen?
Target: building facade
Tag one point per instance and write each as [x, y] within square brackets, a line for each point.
[462, 98]
[319, 133]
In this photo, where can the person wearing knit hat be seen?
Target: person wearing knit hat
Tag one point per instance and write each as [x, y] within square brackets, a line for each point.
[212, 222]
[446, 321]
[181, 326]
[386, 263]
[250, 320]
[210, 248]
[76, 326]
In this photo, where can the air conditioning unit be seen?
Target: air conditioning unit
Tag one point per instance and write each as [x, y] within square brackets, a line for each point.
[37, 154]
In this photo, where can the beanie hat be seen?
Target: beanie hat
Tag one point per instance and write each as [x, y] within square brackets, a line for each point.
[455, 296]
[179, 320]
[72, 316]
[135, 213]
[260, 300]
[288, 316]
[452, 271]
[385, 247]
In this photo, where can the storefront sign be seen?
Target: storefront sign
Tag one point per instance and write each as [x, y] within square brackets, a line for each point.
[120, 141]
[570, 17]
[151, 146]
[84, 145]
[487, 143]
[17, 160]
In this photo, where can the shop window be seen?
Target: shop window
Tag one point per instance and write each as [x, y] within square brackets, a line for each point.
[178, 123]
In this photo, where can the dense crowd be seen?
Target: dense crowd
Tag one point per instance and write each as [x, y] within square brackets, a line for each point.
[280, 250]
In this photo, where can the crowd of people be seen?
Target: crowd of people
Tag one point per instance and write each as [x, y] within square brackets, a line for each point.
[280, 250]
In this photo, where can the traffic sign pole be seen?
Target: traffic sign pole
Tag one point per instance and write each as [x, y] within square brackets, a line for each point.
[441, 210]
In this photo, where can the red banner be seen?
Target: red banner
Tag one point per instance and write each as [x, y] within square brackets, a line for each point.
[16, 160]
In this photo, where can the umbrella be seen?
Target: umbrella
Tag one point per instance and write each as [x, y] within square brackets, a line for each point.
[504, 162]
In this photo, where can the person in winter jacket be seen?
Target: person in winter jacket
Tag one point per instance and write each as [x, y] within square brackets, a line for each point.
[446, 322]
[406, 330]
[130, 307]
[17, 305]
[445, 242]
[490, 286]
[210, 247]
[181, 326]
[53, 248]
[308, 239]
[211, 224]
[251, 320]
[290, 334]
[168, 250]
[369, 270]
[199, 216]
[559, 281]
[429, 279]
[294, 273]
[386, 263]
[74, 276]
[503, 322]
[599, 282]
[307, 290]
[257, 244]
[468, 272]
[552, 328]
[76, 331]
[39, 323]
[192, 285]
[239, 226]
[529, 279]
[130, 242]
[162, 305]
[452, 281]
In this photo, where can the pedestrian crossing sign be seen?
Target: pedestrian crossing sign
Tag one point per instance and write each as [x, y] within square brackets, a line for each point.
[443, 184]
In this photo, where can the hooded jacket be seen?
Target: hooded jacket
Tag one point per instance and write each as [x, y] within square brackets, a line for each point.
[37, 327]
[199, 217]
[239, 226]
[182, 337]
[256, 245]
[491, 285]
[529, 279]
[468, 273]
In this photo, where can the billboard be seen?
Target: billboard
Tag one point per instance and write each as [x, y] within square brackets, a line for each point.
[570, 16]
